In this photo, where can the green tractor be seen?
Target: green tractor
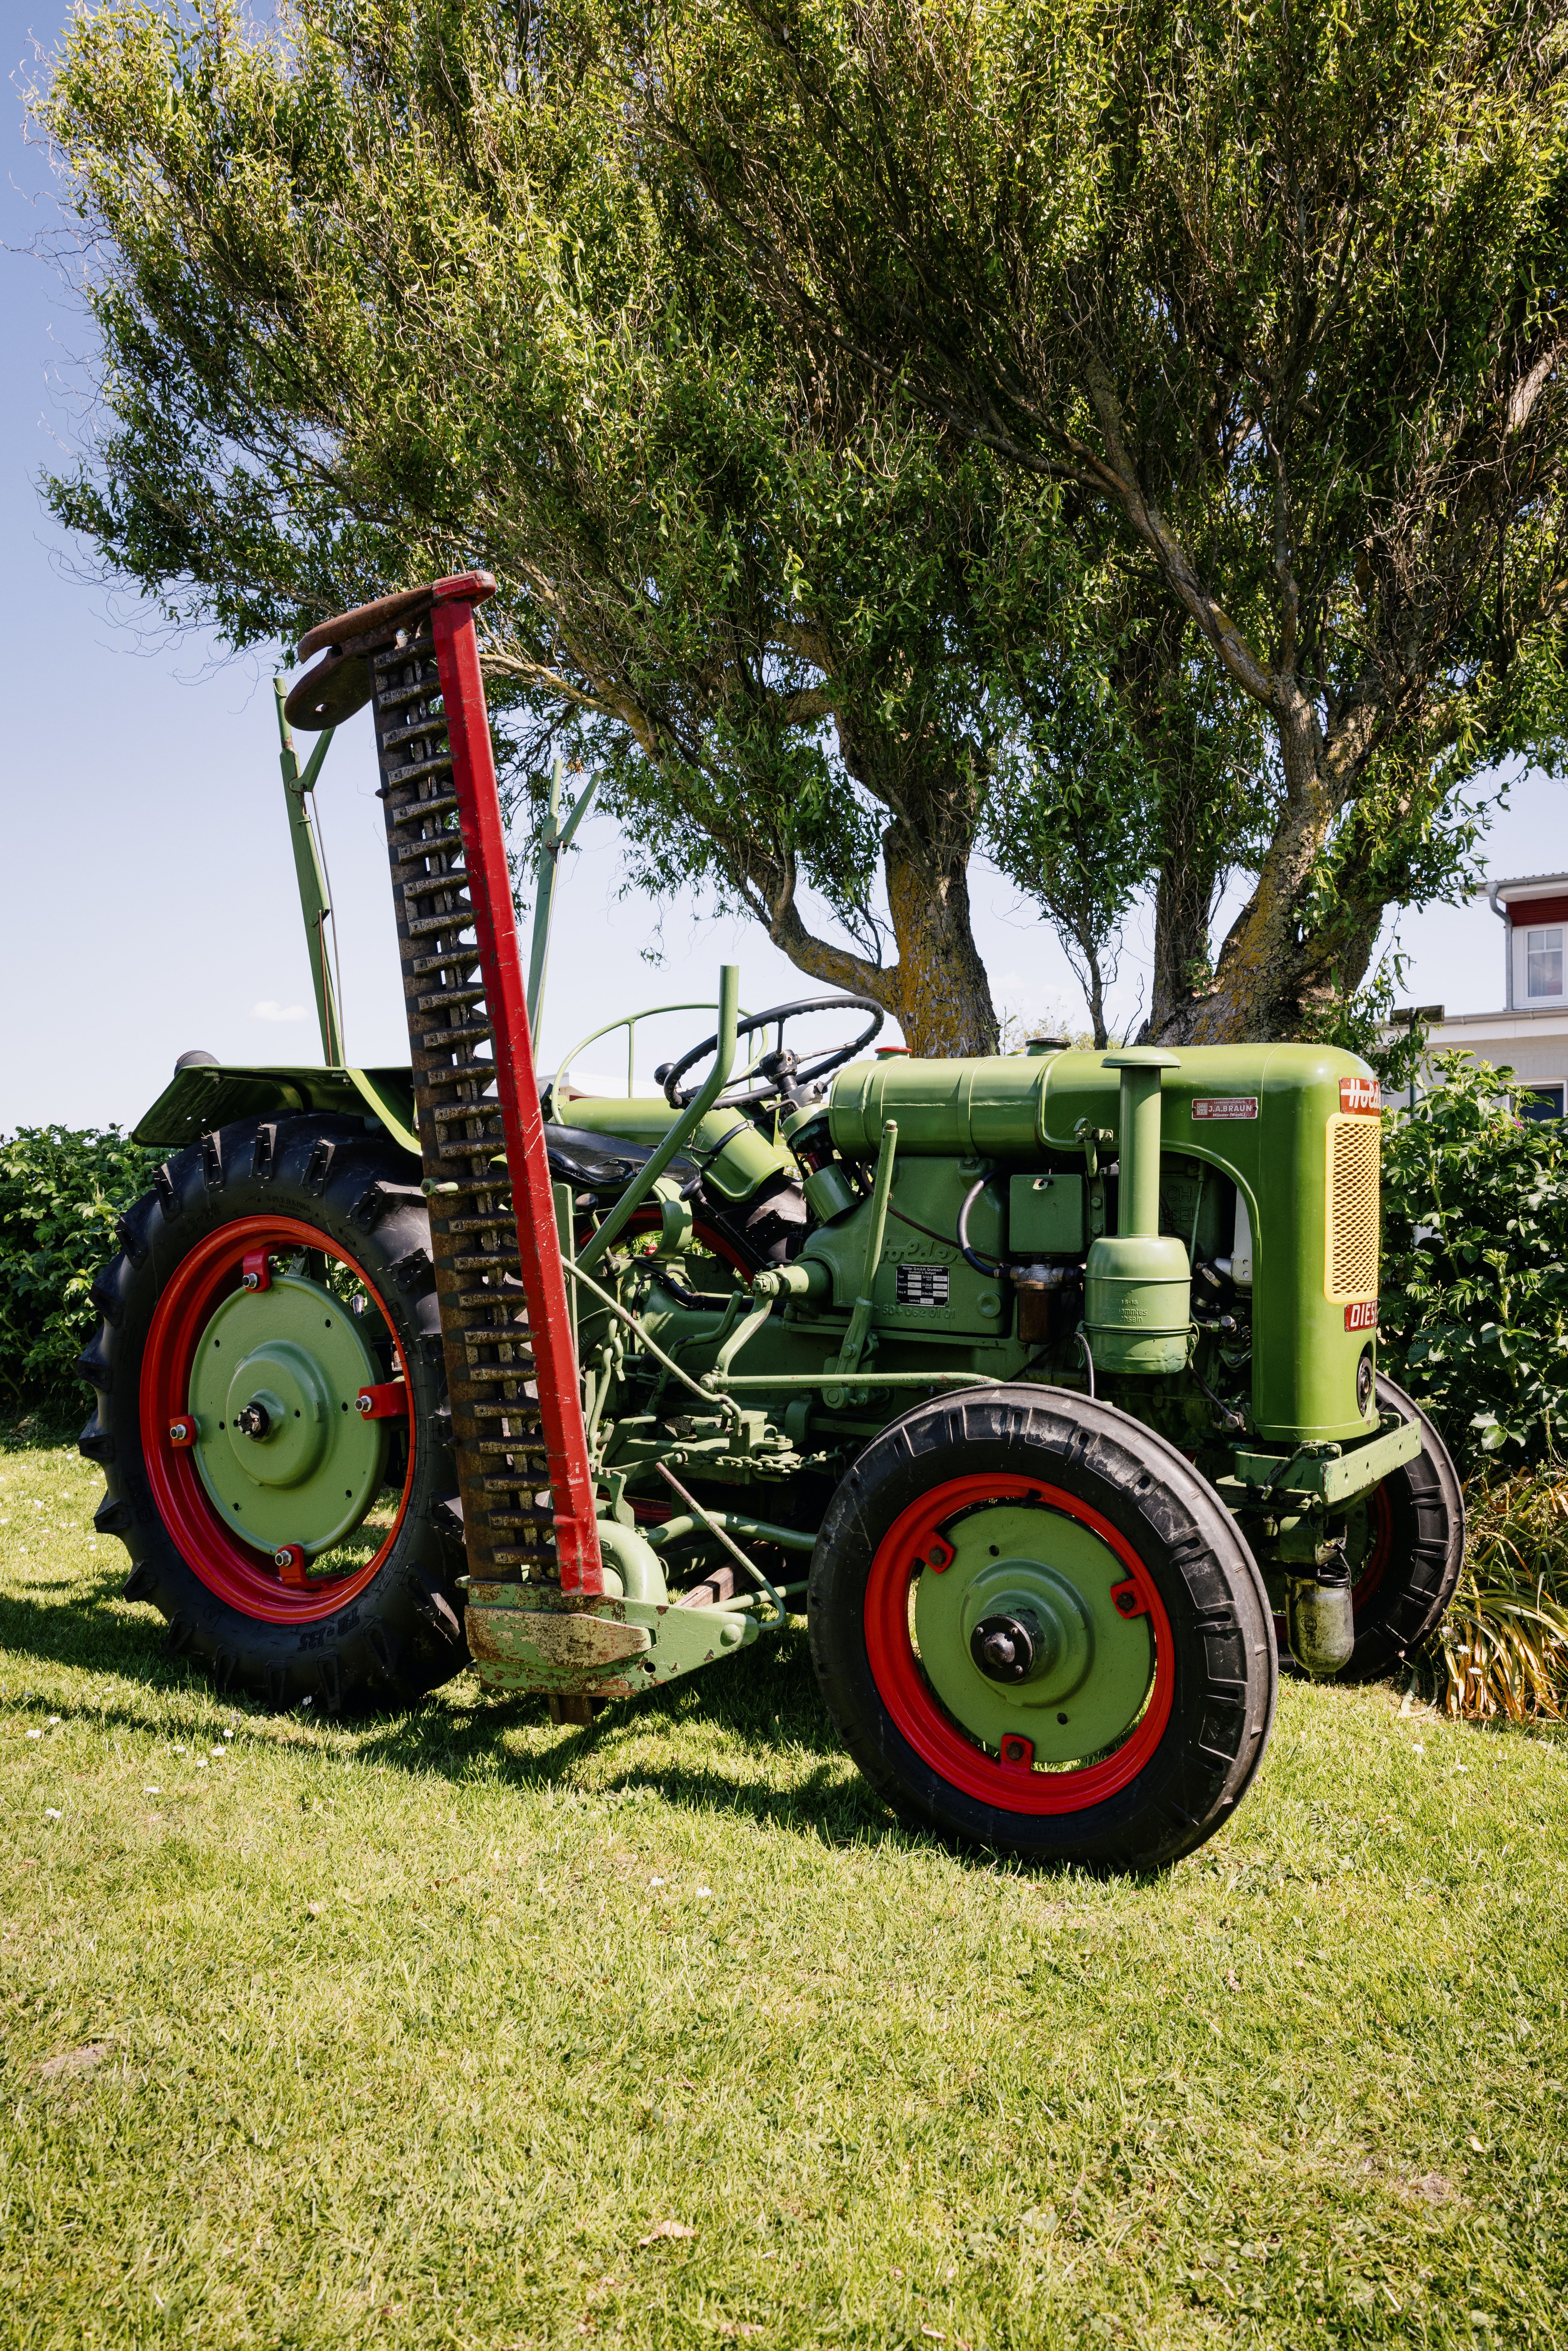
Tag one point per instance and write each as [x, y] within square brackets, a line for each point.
[1045, 1383]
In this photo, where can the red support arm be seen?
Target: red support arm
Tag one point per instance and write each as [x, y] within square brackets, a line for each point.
[516, 1082]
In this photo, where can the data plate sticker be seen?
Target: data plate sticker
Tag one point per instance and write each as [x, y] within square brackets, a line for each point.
[1225, 1106]
[923, 1285]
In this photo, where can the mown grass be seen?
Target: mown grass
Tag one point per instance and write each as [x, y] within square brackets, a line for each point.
[415, 2033]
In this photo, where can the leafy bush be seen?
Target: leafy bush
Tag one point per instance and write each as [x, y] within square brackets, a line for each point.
[61, 1189]
[1474, 1287]
[1502, 1648]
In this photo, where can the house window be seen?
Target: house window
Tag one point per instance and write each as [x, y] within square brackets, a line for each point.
[1543, 963]
[1540, 1102]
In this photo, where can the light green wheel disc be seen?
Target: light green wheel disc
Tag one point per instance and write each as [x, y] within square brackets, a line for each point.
[1094, 1666]
[295, 1350]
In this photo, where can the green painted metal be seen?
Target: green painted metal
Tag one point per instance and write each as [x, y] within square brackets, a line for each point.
[941, 1292]
[1094, 1665]
[632, 1560]
[210, 1095]
[294, 1351]
[555, 840]
[652, 1106]
[516, 1647]
[390, 1096]
[1048, 1215]
[1257, 1114]
[875, 1222]
[1141, 1069]
[747, 1529]
[1331, 1476]
[311, 875]
[1137, 1305]
[735, 1158]
[685, 1122]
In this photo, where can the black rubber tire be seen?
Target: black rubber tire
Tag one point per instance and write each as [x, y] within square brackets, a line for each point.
[400, 1635]
[1226, 1664]
[1427, 1550]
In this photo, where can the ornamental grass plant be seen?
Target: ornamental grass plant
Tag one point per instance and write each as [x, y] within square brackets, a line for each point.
[1502, 1650]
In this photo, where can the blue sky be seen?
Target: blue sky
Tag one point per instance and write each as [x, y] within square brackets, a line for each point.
[149, 897]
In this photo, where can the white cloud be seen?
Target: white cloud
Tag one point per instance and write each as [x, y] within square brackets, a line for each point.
[270, 1010]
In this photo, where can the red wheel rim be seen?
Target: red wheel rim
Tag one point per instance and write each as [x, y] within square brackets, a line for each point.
[925, 1722]
[234, 1571]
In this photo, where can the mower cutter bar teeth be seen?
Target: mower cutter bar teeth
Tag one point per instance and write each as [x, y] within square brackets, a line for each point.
[443, 805]
[462, 1073]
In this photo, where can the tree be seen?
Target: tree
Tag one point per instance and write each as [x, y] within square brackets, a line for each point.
[1278, 302]
[399, 289]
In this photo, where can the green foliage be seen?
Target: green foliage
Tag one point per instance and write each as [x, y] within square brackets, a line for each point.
[1502, 1648]
[390, 290]
[1475, 1287]
[61, 1190]
[1277, 298]
[1120, 440]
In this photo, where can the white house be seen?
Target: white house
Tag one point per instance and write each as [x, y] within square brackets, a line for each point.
[1529, 1034]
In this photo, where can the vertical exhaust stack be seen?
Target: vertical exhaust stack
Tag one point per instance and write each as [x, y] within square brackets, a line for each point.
[1137, 1307]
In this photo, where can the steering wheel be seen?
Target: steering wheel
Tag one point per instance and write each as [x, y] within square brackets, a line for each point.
[784, 1077]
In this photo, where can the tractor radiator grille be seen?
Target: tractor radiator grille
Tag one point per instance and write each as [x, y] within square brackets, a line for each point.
[1355, 1145]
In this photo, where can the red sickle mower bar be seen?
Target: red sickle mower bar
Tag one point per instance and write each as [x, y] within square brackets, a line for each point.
[1061, 1368]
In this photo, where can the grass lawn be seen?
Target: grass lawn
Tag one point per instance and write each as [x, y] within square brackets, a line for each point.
[462, 2029]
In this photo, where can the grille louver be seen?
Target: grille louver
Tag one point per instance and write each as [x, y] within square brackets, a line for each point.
[1354, 1148]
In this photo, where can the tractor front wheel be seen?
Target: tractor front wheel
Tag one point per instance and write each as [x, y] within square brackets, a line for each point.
[1038, 1629]
[1406, 1545]
[271, 1416]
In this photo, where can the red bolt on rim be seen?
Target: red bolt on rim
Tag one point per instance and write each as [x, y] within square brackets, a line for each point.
[908, 1696]
[245, 1578]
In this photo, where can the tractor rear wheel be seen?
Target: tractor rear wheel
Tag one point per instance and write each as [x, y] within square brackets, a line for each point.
[1038, 1629]
[271, 1416]
[1406, 1545]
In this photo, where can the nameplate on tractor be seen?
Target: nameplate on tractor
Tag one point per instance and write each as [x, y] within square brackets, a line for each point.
[1224, 1106]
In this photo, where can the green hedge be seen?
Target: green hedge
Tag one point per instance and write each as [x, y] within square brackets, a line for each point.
[1474, 1287]
[61, 1189]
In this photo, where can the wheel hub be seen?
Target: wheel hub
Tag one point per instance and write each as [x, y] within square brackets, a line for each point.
[281, 1450]
[1018, 1633]
[1008, 1649]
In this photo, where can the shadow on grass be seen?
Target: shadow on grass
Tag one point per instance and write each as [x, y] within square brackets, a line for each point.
[759, 1703]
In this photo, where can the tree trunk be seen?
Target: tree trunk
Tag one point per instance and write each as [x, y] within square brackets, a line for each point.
[1188, 876]
[944, 997]
[1272, 972]
[937, 991]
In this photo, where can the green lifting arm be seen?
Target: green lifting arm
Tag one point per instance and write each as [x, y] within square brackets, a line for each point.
[556, 838]
[313, 902]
